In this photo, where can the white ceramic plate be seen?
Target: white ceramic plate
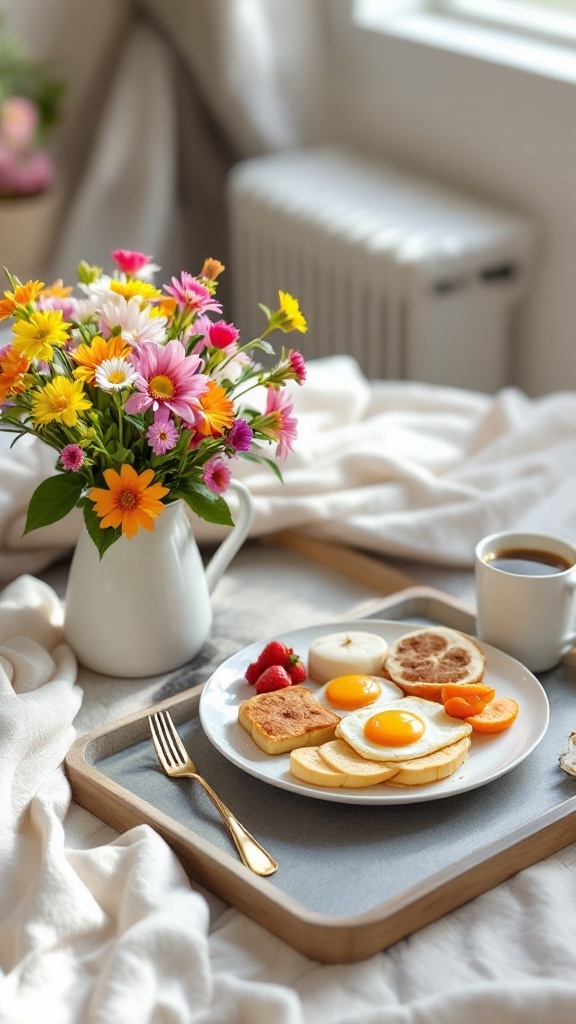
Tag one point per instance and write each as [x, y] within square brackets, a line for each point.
[489, 756]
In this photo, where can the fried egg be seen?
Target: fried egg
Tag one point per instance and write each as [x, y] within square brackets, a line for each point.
[402, 730]
[346, 694]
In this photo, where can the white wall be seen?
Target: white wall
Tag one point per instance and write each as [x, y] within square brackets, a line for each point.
[501, 132]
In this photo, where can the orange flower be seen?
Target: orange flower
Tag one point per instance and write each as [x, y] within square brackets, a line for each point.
[57, 290]
[89, 357]
[212, 269]
[13, 366]
[132, 500]
[22, 294]
[217, 410]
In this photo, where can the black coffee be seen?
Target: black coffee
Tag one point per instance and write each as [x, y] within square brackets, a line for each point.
[528, 562]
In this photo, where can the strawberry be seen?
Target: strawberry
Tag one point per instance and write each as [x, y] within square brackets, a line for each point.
[272, 678]
[252, 672]
[275, 653]
[296, 669]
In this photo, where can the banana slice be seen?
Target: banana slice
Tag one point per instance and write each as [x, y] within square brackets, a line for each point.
[352, 653]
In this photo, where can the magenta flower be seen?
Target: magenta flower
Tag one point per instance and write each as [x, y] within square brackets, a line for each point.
[72, 457]
[166, 378]
[278, 423]
[298, 365]
[240, 436]
[191, 295]
[162, 434]
[216, 474]
[129, 261]
[221, 335]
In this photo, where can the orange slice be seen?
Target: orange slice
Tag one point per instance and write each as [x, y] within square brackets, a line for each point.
[486, 693]
[425, 660]
[464, 706]
[496, 716]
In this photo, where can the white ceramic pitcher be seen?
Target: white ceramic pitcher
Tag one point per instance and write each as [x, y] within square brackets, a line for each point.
[145, 608]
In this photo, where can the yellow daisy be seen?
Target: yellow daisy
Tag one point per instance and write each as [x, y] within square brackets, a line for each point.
[35, 337]
[61, 400]
[142, 289]
[288, 317]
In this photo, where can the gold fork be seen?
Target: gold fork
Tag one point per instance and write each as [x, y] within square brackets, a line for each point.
[177, 763]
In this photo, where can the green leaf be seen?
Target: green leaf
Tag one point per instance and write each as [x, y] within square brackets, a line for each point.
[103, 539]
[207, 505]
[53, 499]
[255, 457]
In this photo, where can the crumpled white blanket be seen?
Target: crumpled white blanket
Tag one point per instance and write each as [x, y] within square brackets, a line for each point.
[116, 934]
[401, 468]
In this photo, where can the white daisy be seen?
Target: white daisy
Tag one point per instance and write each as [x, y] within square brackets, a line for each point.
[136, 324]
[115, 374]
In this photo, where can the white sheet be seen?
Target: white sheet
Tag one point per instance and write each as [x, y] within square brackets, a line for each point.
[401, 468]
[114, 933]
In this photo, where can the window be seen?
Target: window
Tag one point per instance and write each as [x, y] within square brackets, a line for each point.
[550, 20]
[538, 36]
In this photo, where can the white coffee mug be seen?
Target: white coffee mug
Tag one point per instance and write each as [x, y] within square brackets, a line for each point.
[526, 596]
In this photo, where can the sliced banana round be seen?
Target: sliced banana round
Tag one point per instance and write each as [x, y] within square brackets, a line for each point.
[346, 653]
[425, 659]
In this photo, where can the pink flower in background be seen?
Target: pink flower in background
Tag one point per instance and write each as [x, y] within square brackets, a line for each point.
[162, 434]
[72, 457]
[18, 123]
[130, 261]
[216, 474]
[25, 174]
[167, 377]
[191, 295]
[278, 422]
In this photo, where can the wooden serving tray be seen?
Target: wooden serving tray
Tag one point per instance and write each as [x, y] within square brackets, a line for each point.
[352, 879]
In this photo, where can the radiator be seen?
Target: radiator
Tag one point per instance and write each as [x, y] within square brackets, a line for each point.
[414, 280]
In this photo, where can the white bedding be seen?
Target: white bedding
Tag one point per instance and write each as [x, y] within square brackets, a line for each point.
[101, 929]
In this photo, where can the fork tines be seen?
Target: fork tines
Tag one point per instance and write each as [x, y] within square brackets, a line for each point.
[166, 740]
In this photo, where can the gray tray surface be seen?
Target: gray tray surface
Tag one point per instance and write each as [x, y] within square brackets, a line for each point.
[343, 859]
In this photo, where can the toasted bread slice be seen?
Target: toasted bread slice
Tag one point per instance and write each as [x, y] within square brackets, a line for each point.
[307, 765]
[340, 756]
[285, 719]
[423, 661]
[431, 767]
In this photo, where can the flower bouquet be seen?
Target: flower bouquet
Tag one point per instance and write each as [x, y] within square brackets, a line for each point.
[146, 394]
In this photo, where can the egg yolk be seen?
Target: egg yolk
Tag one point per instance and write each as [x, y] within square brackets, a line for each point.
[351, 692]
[394, 728]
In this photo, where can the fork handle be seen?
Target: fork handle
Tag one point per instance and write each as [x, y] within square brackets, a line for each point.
[253, 855]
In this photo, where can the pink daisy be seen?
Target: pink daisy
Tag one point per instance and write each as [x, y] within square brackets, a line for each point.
[72, 457]
[278, 423]
[216, 474]
[166, 378]
[191, 295]
[162, 434]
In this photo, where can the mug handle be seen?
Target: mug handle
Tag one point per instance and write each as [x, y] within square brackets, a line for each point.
[571, 638]
[231, 544]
